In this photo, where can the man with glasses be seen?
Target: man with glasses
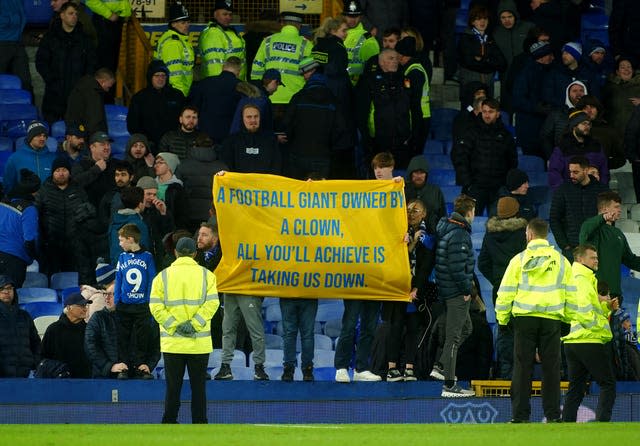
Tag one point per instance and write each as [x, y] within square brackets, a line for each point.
[19, 340]
[64, 339]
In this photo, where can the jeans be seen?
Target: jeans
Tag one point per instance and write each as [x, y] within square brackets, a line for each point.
[367, 311]
[298, 315]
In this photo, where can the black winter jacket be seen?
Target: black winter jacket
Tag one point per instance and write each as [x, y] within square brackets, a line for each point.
[95, 182]
[19, 342]
[454, 257]
[64, 342]
[153, 112]
[257, 152]
[62, 59]
[58, 209]
[86, 105]
[430, 194]
[484, 154]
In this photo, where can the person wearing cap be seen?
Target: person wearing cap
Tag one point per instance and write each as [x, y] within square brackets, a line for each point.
[416, 82]
[536, 295]
[86, 101]
[577, 141]
[479, 56]
[505, 237]
[555, 125]
[64, 55]
[572, 203]
[588, 346]
[257, 92]
[32, 154]
[180, 140]
[59, 202]
[19, 227]
[216, 98]
[316, 128]
[95, 173]
[175, 50]
[19, 339]
[219, 41]
[64, 339]
[183, 300]
[108, 19]
[283, 51]
[517, 186]
[155, 215]
[483, 155]
[72, 147]
[155, 109]
[171, 189]
[528, 99]
[361, 45]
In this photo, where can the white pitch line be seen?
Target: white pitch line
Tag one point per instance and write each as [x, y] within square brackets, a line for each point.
[300, 426]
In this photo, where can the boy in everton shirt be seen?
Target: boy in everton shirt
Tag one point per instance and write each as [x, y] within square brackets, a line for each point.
[134, 273]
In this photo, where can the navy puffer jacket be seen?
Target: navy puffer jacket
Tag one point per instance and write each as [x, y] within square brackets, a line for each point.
[454, 257]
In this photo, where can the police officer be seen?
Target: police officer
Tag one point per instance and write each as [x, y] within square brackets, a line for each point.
[283, 51]
[183, 300]
[538, 294]
[175, 50]
[416, 82]
[219, 41]
[360, 43]
[588, 344]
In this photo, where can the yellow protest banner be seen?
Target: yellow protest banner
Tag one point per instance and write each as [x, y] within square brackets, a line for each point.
[326, 239]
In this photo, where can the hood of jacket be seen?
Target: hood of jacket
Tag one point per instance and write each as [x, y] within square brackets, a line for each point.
[418, 162]
[173, 180]
[508, 5]
[248, 89]
[448, 224]
[538, 257]
[156, 66]
[495, 224]
[567, 102]
[203, 154]
[137, 137]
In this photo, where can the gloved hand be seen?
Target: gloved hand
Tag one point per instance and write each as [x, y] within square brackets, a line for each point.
[186, 329]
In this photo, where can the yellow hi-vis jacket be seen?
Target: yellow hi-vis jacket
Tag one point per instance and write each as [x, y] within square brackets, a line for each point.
[360, 45]
[175, 50]
[105, 8]
[185, 291]
[591, 325]
[538, 282]
[425, 104]
[216, 45]
[283, 51]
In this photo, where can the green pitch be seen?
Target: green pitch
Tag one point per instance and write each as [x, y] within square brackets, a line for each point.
[324, 434]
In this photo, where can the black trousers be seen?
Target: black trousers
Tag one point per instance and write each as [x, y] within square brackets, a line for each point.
[134, 333]
[14, 267]
[544, 334]
[395, 314]
[587, 361]
[174, 366]
[14, 60]
[109, 37]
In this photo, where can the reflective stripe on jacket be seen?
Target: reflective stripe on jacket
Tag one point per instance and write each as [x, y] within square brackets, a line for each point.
[360, 47]
[175, 50]
[425, 104]
[216, 45]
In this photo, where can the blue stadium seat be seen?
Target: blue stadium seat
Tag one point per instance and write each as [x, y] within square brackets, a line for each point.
[450, 193]
[58, 129]
[317, 328]
[118, 155]
[433, 146]
[332, 328]
[268, 301]
[539, 194]
[531, 163]
[239, 373]
[321, 358]
[329, 301]
[34, 294]
[324, 373]
[330, 311]
[6, 144]
[543, 211]
[37, 309]
[476, 239]
[272, 341]
[272, 358]
[506, 120]
[10, 81]
[35, 279]
[273, 313]
[119, 144]
[64, 279]
[116, 112]
[52, 144]
[442, 122]
[538, 178]
[4, 156]
[595, 25]
[461, 20]
[320, 341]
[15, 119]
[37, 12]
[14, 96]
[118, 129]
[66, 291]
[479, 223]
[442, 177]
[215, 359]
[439, 162]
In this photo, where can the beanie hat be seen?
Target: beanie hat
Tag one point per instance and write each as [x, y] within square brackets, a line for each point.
[147, 183]
[508, 207]
[573, 48]
[105, 273]
[171, 159]
[540, 49]
[36, 128]
[137, 137]
[576, 117]
[597, 49]
[28, 184]
[177, 11]
[59, 162]
[515, 179]
[407, 46]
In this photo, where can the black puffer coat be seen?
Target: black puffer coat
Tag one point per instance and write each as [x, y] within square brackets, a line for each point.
[64, 342]
[19, 342]
[454, 257]
[101, 342]
[59, 209]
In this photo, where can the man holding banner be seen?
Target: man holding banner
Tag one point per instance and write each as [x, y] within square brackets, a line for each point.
[306, 241]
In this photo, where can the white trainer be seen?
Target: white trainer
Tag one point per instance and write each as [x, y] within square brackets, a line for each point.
[342, 376]
[366, 375]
